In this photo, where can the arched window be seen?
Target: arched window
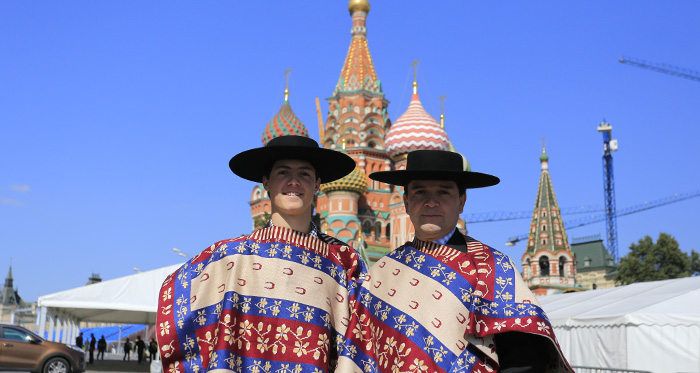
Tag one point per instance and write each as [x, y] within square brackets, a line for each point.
[387, 230]
[544, 266]
[367, 228]
[377, 231]
[562, 261]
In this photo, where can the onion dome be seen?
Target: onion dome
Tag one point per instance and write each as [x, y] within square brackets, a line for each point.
[358, 5]
[415, 130]
[356, 181]
[284, 123]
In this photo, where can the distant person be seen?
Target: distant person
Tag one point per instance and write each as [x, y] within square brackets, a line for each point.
[101, 347]
[127, 350]
[79, 340]
[153, 349]
[93, 343]
[140, 347]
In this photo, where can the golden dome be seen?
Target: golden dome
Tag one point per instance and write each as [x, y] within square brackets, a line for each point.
[356, 181]
[358, 5]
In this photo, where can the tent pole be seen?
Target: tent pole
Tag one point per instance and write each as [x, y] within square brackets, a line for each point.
[41, 321]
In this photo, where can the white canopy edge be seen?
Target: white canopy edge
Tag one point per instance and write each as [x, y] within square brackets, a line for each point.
[126, 300]
[670, 302]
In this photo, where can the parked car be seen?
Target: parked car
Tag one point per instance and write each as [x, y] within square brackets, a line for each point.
[22, 350]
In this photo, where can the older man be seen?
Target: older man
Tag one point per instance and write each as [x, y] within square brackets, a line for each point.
[277, 300]
[445, 302]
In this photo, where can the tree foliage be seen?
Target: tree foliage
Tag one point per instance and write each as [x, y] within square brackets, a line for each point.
[260, 220]
[654, 261]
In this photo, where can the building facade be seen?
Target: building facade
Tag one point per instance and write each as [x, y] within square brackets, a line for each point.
[596, 267]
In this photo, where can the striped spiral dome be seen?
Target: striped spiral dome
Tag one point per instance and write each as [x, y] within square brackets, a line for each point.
[415, 130]
[355, 181]
[284, 123]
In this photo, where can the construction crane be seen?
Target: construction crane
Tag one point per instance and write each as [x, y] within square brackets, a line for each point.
[626, 211]
[515, 215]
[609, 146]
[663, 68]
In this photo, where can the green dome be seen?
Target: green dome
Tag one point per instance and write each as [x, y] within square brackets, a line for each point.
[544, 157]
[356, 181]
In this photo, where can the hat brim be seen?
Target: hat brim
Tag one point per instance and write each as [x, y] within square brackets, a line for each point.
[253, 164]
[468, 179]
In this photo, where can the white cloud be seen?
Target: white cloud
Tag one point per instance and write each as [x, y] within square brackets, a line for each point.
[22, 188]
[10, 201]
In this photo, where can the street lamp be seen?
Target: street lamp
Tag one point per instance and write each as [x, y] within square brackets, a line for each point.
[136, 269]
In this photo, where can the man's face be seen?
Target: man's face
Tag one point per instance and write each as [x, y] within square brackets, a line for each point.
[291, 187]
[434, 207]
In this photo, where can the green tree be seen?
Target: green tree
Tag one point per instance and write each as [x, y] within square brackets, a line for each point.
[654, 261]
[260, 220]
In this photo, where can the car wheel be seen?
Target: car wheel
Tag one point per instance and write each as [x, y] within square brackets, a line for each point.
[56, 365]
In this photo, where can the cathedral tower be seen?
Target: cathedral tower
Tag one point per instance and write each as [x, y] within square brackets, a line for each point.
[357, 119]
[549, 266]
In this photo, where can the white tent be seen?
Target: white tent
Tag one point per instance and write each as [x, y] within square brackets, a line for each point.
[652, 326]
[127, 300]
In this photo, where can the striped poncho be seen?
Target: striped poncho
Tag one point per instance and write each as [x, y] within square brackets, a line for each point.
[432, 308]
[275, 301]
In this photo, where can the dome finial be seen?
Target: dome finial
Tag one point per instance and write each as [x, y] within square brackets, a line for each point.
[544, 157]
[286, 87]
[358, 6]
[442, 111]
[415, 76]
[544, 139]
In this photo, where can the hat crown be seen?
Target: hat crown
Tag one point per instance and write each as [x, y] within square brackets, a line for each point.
[293, 140]
[434, 160]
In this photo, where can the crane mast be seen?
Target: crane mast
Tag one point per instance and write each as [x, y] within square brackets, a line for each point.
[609, 146]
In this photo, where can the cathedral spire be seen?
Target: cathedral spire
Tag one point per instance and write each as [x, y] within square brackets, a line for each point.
[358, 70]
[548, 263]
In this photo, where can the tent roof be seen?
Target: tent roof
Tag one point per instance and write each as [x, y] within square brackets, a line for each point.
[126, 300]
[668, 302]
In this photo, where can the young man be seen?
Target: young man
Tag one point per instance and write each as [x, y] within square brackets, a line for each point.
[277, 300]
[446, 302]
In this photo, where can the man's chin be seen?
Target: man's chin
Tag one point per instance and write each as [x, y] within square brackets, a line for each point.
[429, 232]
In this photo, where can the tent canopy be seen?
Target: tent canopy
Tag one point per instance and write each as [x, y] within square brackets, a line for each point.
[669, 302]
[650, 326]
[126, 300]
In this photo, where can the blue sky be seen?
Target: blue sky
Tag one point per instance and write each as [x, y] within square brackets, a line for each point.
[118, 119]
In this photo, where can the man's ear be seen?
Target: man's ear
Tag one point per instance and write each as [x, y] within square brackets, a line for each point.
[266, 183]
[462, 201]
[405, 200]
[317, 187]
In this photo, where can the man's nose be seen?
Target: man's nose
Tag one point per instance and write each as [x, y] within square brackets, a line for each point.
[431, 201]
[294, 179]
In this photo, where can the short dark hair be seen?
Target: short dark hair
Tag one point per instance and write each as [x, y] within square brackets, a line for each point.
[268, 169]
[460, 187]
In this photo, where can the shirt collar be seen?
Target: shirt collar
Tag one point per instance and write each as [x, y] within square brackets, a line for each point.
[443, 241]
[312, 233]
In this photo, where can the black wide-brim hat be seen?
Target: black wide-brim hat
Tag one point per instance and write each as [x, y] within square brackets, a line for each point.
[255, 163]
[435, 165]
